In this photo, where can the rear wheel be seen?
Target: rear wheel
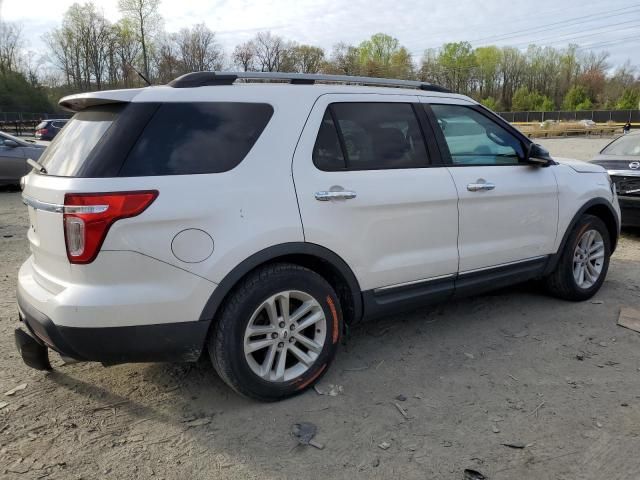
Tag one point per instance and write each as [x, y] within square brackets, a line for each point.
[584, 262]
[277, 333]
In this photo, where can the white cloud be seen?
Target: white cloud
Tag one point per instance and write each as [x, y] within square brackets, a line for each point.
[417, 24]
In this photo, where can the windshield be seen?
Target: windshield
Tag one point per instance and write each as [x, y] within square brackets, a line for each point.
[70, 148]
[626, 145]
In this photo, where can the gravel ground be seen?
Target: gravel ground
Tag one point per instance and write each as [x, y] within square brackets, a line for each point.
[559, 379]
[576, 147]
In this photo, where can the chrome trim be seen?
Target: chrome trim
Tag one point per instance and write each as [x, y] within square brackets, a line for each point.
[414, 282]
[44, 206]
[624, 173]
[325, 196]
[86, 208]
[480, 187]
[57, 208]
[492, 267]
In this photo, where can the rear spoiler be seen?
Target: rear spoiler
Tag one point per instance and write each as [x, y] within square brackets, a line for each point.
[80, 101]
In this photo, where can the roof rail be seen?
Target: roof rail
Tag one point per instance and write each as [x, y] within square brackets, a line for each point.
[201, 79]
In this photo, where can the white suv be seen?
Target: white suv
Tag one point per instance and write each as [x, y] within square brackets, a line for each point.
[256, 216]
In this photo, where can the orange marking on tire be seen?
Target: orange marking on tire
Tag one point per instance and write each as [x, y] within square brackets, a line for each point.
[309, 380]
[336, 330]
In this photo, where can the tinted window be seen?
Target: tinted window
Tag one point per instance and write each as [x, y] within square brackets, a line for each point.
[626, 145]
[327, 153]
[192, 138]
[69, 149]
[474, 139]
[376, 136]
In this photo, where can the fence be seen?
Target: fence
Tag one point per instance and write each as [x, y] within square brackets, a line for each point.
[32, 117]
[598, 116]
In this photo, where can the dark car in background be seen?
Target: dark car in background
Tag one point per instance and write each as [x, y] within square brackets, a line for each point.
[13, 158]
[621, 158]
[47, 129]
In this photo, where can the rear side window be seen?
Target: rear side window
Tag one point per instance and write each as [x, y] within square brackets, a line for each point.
[193, 138]
[68, 151]
[369, 136]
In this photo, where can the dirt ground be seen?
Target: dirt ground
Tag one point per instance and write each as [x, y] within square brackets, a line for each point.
[561, 380]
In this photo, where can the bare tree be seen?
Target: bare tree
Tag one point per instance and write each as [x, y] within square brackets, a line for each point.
[199, 50]
[145, 17]
[10, 44]
[168, 62]
[269, 51]
[127, 49]
[244, 56]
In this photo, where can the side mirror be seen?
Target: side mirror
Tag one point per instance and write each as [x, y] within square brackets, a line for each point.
[10, 143]
[538, 155]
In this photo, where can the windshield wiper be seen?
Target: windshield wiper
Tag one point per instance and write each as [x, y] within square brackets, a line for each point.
[35, 164]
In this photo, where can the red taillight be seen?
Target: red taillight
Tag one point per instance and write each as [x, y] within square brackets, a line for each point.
[88, 217]
[42, 131]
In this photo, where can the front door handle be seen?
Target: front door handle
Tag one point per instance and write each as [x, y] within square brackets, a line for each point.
[325, 196]
[480, 187]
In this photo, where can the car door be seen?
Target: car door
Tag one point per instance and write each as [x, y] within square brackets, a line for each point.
[508, 209]
[367, 190]
[12, 162]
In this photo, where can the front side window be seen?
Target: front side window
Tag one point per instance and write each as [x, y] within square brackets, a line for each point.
[369, 136]
[474, 139]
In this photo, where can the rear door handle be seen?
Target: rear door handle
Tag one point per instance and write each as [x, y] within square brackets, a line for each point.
[325, 196]
[480, 187]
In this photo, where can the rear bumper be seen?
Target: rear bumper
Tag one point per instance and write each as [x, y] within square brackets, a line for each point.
[182, 341]
[630, 207]
[123, 308]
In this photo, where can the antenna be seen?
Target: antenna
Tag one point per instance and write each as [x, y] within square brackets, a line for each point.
[146, 80]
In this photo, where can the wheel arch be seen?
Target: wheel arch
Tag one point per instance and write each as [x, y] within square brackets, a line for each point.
[598, 207]
[315, 257]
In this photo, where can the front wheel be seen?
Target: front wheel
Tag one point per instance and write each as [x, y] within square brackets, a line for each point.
[277, 333]
[584, 261]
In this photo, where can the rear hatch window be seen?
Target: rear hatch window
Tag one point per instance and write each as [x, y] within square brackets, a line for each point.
[69, 150]
[150, 139]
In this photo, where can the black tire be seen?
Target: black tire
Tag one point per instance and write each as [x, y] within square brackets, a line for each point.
[226, 341]
[562, 283]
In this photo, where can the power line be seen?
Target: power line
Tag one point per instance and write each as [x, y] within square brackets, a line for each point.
[572, 35]
[608, 43]
[549, 26]
[552, 26]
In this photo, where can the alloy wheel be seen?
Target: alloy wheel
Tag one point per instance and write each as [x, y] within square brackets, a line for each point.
[284, 336]
[588, 259]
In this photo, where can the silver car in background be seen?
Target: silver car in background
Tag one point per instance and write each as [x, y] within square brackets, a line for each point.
[621, 158]
[13, 158]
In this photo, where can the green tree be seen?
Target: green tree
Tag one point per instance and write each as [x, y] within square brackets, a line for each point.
[525, 100]
[491, 103]
[488, 71]
[458, 62]
[144, 15]
[17, 94]
[576, 96]
[629, 100]
[383, 56]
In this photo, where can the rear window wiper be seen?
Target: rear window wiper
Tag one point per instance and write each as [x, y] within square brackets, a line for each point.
[37, 165]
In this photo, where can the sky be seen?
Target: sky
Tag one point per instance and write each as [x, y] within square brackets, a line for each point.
[612, 25]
